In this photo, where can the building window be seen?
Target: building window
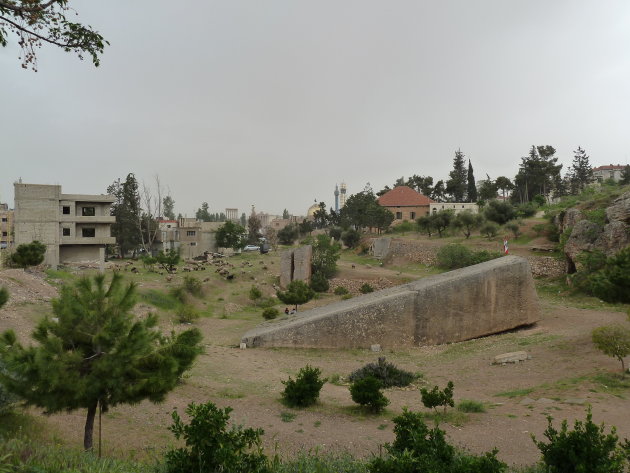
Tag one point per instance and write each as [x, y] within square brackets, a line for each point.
[5, 234]
[88, 232]
[65, 231]
[65, 210]
[4, 219]
[190, 233]
[88, 211]
[398, 215]
[412, 215]
[462, 206]
[193, 243]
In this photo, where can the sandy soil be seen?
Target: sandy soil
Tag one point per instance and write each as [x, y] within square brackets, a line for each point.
[560, 377]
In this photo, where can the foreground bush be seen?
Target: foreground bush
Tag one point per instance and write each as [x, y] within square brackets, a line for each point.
[319, 283]
[187, 314]
[454, 255]
[611, 281]
[436, 397]
[387, 373]
[304, 390]
[340, 291]
[211, 447]
[270, 313]
[418, 449]
[367, 393]
[366, 289]
[584, 449]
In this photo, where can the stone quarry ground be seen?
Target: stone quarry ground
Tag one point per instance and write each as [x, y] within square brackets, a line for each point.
[564, 375]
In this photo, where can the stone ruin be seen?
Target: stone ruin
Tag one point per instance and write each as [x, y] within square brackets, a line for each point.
[467, 303]
[295, 265]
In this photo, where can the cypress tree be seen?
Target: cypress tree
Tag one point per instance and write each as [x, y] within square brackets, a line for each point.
[95, 354]
[456, 185]
[472, 187]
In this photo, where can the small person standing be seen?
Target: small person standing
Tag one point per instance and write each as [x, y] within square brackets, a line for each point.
[505, 245]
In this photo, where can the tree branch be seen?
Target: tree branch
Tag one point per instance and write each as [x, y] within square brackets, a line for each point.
[22, 9]
[38, 36]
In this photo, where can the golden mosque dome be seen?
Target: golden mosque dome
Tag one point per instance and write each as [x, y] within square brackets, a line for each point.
[311, 210]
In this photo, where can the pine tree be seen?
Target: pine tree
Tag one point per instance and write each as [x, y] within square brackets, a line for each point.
[537, 174]
[625, 175]
[202, 213]
[582, 172]
[285, 214]
[472, 187]
[126, 209]
[95, 354]
[456, 185]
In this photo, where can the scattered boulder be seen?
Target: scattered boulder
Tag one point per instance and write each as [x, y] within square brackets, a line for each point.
[512, 357]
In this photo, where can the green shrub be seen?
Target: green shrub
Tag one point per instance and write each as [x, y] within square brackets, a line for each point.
[387, 373]
[436, 397]
[548, 230]
[255, 293]
[466, 405]
[606, 278]
[317, 462]
[346, 297]
[367, 393]
[584, 449]
[366, 288]
[304, 390]
[499, 212]
[525, 210]
[270, 313]
[319, 283]
[514, 228]
[418, 449]
[266, 302]
[351, 238]
[193, 286]
[160, 299]
[335, 233]
[4, 296]
[489, 230]
[187, 314]
[28, 254]
[455, 255]
[211, 446]
[340, 291]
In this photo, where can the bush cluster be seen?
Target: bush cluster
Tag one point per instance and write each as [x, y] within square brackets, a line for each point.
[367, 393]
[186, 314]
[437, 397]
[455, 255]
[387, 373]
[606, 278]
[366, 289]
[192, 286]
[270, 313]
[340, 291]
[319, 283]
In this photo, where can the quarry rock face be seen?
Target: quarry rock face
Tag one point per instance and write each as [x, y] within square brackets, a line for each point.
[459, 305]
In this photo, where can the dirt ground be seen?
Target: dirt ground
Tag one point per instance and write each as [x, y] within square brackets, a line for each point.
[564, 375]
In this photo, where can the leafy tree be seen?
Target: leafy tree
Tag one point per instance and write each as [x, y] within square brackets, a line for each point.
[472, 187]
[203, 213]
[168, 206]
[457, 184]
[36, 22]
[325, 256]
[422, 184]
[467, 222]
[271, 236]
[488, 189]
[362, 210]
[514, 228]
[254, 225]
[439, 191]
[304, 390]
[288, 234]
[625, 175]
[231, 235]
[320, 216]
[335, 233]
[441, 220]
[305, 227]
[243, 220]
[285, 214]
[4, 296]
[587, 448]
[499, 212]
[504, 184]
[426, 224]
[537, 174]
[351, 238]
[28, 254]
[94, 354]
[436, 397]
[297, 293]
[614, 341]
[582, 172]
[367, 392]
[489, 229]
[210, 446]
[126, 209]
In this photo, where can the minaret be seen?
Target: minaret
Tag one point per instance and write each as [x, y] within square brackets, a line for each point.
[336, 198]
[342, 200]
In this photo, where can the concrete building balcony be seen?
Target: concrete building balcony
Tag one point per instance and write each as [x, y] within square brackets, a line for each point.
[87, 241]
[81, 219]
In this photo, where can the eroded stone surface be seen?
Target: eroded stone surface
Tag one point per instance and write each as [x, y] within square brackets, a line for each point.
[459, 305]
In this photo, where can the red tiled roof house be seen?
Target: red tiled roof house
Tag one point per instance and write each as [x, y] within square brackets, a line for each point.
[405, 203]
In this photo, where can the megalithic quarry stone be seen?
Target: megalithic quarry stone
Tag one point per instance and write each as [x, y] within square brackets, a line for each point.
[471, 302]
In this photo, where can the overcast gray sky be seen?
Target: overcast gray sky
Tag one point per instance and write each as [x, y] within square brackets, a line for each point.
[273, 102]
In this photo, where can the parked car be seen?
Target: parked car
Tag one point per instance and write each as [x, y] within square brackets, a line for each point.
[251, 248]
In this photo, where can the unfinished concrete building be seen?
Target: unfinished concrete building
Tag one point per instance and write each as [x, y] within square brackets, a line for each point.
[6, 227]
[74, 227]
